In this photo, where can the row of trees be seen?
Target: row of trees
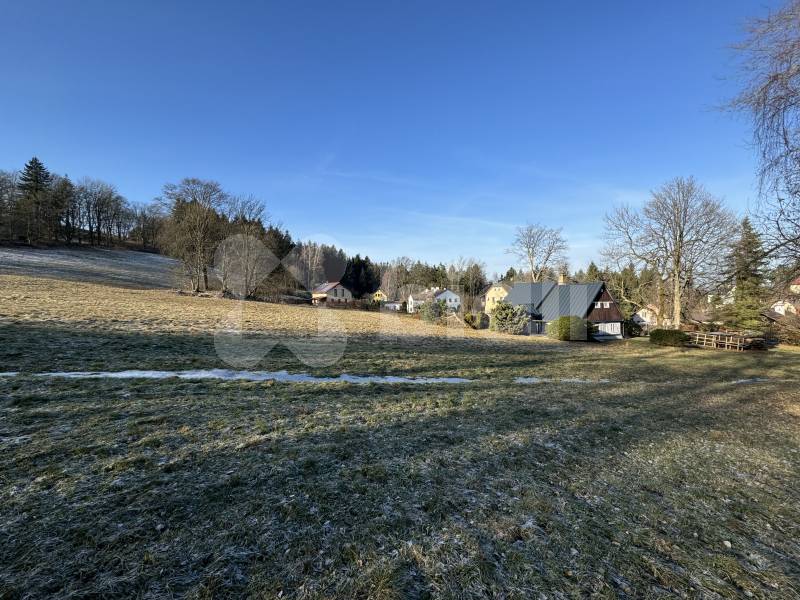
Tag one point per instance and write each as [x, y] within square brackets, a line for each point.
[38, 206]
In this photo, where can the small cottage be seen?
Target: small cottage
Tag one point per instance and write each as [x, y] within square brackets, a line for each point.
[547, 301]
[331, 292]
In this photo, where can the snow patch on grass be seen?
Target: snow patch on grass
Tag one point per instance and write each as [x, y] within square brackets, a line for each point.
[9, 374]
[531, 380]
[229, 375]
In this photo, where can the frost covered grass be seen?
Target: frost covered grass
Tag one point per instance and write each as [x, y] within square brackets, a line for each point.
[666, 480]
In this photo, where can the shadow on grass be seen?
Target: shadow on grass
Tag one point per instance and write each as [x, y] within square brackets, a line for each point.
[395, 492]
[39, 348]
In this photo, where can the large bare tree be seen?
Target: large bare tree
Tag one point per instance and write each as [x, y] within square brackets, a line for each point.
[540, 249]
[242, 258]
[194, 206]
[771, 100]
[682, 233]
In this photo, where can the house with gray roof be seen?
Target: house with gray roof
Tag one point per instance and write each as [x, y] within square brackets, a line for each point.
[546, 301]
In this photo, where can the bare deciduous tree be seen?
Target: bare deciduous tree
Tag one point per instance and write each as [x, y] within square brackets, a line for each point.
[680, 233]
[771, 100]
[194, 205]
[242, 258]
[539, 248]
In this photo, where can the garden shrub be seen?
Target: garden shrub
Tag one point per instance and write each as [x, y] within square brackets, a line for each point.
[508, 319]
[631, 328]
[432, 312]
[668, 337]
[569, 329]
[477, 320]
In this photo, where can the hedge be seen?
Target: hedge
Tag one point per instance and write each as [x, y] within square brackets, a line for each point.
[668, 337]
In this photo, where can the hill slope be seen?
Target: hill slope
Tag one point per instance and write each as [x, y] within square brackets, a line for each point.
[113, 267]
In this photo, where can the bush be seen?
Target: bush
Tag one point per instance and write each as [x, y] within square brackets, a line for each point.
[508, 319]
[477, 320]
[668, 337]
[631, 328]
[432, 312]
[569, 329]
[788, 330]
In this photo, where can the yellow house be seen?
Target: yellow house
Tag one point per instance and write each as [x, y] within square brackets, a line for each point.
[794, 287]
[379, 296]
[495, 293]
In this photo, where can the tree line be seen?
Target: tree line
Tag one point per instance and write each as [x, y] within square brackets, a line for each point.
[37, 206]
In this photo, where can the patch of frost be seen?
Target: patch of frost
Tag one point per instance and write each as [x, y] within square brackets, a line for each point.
[9, 374]
[751, 380]
[229, 375]
[527, 380]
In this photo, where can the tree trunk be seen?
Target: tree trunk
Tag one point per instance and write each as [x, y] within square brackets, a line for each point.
[205, 278]
[676, 301]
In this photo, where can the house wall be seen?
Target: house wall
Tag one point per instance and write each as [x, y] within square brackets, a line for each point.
[451, 299]
[339, 294]
[495, 294]
[602, 314]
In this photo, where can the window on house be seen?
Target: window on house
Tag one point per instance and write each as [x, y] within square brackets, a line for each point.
[606, 304]
[597, 304]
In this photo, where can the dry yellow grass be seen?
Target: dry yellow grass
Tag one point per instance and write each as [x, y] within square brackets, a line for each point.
[87, 305]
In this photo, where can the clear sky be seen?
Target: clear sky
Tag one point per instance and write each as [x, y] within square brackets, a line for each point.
[427, 129]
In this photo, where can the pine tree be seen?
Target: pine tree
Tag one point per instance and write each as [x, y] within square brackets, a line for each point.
[746, 264]
[34, 186]
[593, 273]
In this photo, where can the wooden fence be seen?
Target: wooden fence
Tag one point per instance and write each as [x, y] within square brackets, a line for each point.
[716, 339]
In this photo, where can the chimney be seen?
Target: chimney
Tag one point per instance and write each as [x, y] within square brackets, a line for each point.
[562, 279]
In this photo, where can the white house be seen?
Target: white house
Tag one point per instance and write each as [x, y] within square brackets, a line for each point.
[648, 317]
[449, 297]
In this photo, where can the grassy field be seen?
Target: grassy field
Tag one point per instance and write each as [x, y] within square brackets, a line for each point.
[670, 478]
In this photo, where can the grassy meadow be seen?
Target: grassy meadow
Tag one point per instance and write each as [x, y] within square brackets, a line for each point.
[631, 471]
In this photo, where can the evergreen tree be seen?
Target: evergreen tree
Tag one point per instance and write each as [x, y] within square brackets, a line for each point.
[746, 264]
[34, 187]
[593, 273]
[361, 276]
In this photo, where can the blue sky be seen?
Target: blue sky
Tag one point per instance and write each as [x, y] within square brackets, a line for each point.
[427, 129]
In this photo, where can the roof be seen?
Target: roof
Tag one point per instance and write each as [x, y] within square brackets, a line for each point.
[548, 300]
[326, 287]
[503, 284]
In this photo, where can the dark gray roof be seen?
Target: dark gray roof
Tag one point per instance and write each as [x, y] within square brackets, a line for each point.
[548, 301]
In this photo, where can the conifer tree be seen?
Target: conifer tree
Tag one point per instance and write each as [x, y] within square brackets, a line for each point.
[746, 264]
[33, 185]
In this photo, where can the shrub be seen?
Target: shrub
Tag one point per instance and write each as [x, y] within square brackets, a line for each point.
[569, 329]
[668, 337]
[788, 330]
[477, 320]
[432, 312]
[508, 319]
[631, 328]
